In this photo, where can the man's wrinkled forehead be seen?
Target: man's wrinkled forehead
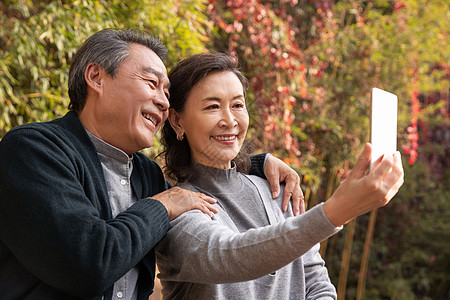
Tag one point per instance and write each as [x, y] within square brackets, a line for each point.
[146, 60]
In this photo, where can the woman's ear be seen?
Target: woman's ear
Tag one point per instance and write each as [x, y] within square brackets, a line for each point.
[93, 76]
[175, 121]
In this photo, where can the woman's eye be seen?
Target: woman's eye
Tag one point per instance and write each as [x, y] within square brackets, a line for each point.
[214, 106]
[239, 105]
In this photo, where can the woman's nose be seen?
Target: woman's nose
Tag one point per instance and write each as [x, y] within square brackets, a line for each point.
[228, 119]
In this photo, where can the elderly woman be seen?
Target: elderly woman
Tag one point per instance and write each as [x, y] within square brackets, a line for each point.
[250, 249]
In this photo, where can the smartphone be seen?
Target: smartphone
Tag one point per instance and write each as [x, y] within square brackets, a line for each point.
[383, 123]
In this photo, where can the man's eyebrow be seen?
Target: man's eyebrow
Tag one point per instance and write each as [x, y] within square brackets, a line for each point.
[159, 74]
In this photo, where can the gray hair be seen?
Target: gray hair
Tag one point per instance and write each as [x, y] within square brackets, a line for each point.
[108, 48]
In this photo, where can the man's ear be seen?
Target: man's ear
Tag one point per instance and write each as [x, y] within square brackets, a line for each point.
[175, 121]
[94, 77]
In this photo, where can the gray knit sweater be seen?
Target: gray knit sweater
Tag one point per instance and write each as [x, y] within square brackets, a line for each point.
[236, 254]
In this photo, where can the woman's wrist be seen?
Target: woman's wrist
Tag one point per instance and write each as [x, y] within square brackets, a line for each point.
[336, 212]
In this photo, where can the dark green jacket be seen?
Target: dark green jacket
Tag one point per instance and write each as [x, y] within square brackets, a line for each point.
[58, 239]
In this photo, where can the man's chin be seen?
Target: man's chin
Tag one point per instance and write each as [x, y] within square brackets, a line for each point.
[148, 144]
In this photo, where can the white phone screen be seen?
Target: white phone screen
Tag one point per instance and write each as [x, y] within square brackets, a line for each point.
[383, 123]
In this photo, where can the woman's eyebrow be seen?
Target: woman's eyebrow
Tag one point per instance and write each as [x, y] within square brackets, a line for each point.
[211, 99]
[219, 99]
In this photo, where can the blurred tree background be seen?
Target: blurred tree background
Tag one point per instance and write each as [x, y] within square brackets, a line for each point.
[311, 65]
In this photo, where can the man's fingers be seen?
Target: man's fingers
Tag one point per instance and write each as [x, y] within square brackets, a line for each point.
[288, 193]
[206, 204]
[299, 199]
[292, 191]
[211, 207]
[302, 205]
[207, 198]
[274, 187]
[286, 198]
[273, 174]
[206, 208]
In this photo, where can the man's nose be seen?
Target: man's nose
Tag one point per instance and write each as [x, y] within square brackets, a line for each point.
[161, 101]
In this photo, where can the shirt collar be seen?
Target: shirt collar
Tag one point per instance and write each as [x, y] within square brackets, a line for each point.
[108, 150]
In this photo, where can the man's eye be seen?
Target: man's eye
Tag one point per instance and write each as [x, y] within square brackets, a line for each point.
[153, 82]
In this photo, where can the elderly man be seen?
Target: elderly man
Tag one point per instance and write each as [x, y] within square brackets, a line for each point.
[81, 209]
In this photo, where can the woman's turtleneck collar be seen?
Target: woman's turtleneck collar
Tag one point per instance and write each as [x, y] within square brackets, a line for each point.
[215, 181]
